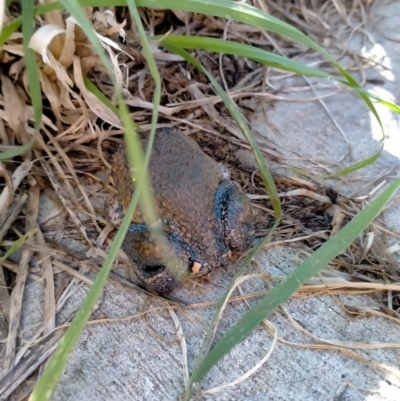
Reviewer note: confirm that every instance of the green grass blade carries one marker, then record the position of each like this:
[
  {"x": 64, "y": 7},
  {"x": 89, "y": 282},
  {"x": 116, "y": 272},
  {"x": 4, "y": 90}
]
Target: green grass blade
[
  {"x": 9, "y": 29},
  {"x": 240, "y": 49},
  {"x": 56, "y": 364},
  {"x": 139, "y": 163},
  {"x": 90, "y": 86},
  {"x": 264, "y": 57},
  {"x": 308, "y": 269},
  {"x": 255, "y": 17},
  {"x": 207, "y": 342},
  {"x": 359, "y": 165},
  {"x": 35, "y": 91},
  {"x": 47, "y": 382},
  {"x": 17, "y": 244},
  {"x": 12, "y": 27},
  {"x": 33, "y": 80},
  {"x": 270, "y": 188},
  {"x": 241, "y": 122},
  {"x": 20, "y": 150}
]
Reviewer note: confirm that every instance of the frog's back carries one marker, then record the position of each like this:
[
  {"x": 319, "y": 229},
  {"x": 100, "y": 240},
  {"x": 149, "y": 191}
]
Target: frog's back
[{"x": 183, "y": 178}]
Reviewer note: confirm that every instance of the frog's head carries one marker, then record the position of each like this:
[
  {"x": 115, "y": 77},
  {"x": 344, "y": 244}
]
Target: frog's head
[{"x": 236, "y": 214}]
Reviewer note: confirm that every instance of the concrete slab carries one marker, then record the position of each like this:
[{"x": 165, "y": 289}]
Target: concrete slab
[{"x": 140, "y": 359}]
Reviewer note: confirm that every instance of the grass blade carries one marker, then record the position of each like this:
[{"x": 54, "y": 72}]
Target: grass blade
[
  {"x": 20, "y": 150},
  {"x": 90, "y": 86},
  {"x": 264, "y": 57},
  {"x": 241, "y": 122},
  {"x": 57, "y": 362},
  {"x": 95, "y": 90},
  {"x": 47, "y": 382},
  {"x": 139, "y": 163},
  {"x": 240, "y": 49},
  {"x": 154, "y": 73},
  {"x": 281, "y": 293},
  {"x": 17, "y": 244},
  {"x": 270, "y": 188},
  {"x": 35, "y": 91}
]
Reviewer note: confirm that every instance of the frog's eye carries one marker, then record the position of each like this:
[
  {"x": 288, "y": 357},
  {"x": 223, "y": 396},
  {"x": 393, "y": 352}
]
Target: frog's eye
[{"x": 151, "y": 270}]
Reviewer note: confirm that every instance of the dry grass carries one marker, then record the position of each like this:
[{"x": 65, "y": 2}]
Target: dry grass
[{"x": 68, "y": 165}]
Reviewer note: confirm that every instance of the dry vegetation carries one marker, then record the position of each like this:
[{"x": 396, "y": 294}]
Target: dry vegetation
[{"x": 53, "y": 194}]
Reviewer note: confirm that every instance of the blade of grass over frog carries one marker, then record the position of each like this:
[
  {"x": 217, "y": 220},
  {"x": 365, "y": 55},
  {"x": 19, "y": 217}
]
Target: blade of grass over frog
[
  {"x": 148, "y": 204},
  {"x": 17, "y": 244},
  {"x": 55, "y": 366},
  {"x": 132, "y": 141},
  {"x": 133, "y": 144},
  {"x": 241, "y": 122},
  {"x": 140, "y": 176},
  {"x": 281, "y": 293}
]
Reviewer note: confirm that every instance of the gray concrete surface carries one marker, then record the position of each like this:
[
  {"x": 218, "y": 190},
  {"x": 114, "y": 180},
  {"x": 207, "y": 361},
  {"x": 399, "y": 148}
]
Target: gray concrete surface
[{"x": 141, "y": 359}]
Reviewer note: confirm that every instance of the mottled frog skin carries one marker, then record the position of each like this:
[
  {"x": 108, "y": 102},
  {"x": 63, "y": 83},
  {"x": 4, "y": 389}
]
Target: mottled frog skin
[{"x": 203, "y": 214}]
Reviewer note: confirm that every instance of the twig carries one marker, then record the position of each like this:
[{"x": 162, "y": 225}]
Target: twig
[
  {"x": 18, "y": 291},
  {"x": 28, "y": 364}
]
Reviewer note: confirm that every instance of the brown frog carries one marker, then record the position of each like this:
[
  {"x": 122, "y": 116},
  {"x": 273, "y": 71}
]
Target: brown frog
[{"x": 203, "y": 214}]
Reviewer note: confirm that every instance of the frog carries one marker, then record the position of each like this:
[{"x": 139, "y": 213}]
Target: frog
[{"x": 203, "y": 214}]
